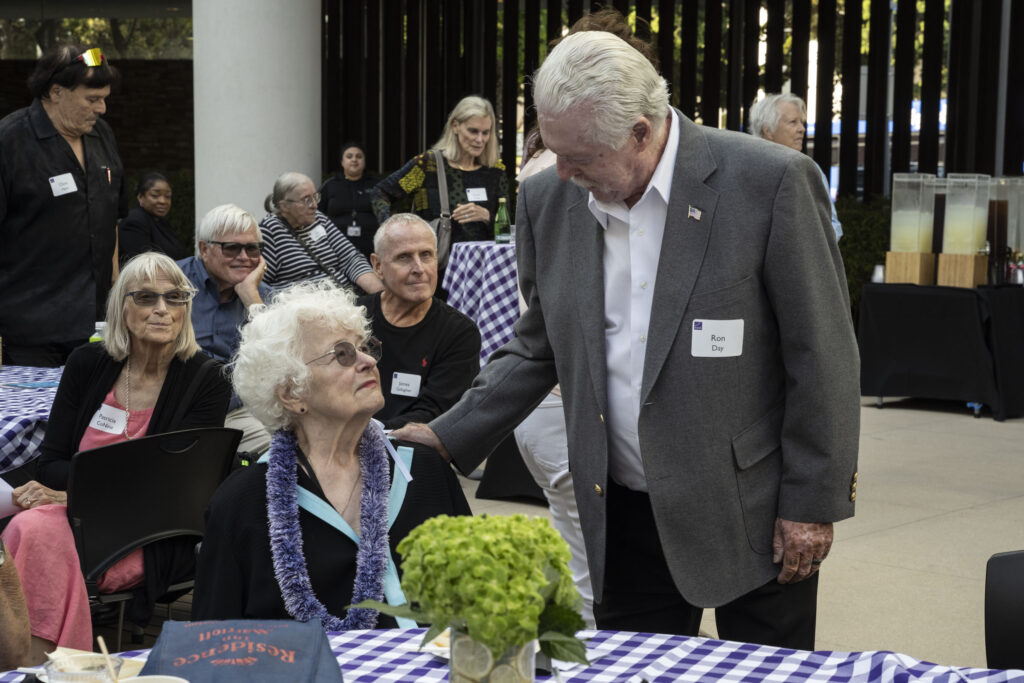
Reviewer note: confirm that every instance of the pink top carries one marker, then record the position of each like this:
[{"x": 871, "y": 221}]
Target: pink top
[{"x": 138, "y": 425}]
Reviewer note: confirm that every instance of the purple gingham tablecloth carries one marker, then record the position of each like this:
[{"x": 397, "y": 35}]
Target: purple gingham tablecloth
[
  {"x": 23, "y": 412},
  {"x": 481, "y": 282},
  {"x": 392, "y": 656}
]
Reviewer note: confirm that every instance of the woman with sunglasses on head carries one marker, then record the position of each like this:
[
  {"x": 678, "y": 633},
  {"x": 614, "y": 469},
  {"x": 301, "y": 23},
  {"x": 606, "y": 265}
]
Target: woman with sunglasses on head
[
  {"x": 307, "y": 531},
  {"x": 146, "y": 227},
  {"x": 303, "y": 244},
  {"x": 147, "y": 377}
]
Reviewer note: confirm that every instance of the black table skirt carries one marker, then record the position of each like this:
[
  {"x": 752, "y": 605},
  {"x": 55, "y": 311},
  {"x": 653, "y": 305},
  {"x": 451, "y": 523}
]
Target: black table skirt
[{"x": 944, "y": 343}]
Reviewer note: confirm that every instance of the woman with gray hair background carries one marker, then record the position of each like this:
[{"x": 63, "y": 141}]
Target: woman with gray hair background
[
  {"x": 302, "y": 244},
  {"x": 473, "y": 172},
  {"x": 782, "y": 118},
  {"x": 306, "y": 531},
  {"x": 148, "y": 376}
]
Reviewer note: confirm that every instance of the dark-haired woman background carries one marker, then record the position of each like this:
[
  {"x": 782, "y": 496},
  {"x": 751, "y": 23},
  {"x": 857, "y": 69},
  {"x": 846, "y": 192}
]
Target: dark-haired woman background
[{"x": 146, "y": 227}]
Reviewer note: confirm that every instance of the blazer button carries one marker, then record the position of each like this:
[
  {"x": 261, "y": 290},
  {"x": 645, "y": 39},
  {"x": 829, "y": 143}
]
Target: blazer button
[
  {"x": 853, "y": 496},
  {"x": 598, "y": 490}
]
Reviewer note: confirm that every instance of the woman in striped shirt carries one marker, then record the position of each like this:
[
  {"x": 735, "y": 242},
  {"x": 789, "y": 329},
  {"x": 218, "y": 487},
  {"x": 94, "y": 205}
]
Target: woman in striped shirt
[{"x": 303, "y": 244}]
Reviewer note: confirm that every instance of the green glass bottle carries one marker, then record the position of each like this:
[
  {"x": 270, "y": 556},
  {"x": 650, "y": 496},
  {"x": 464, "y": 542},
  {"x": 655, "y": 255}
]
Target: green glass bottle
[{"x": 502, "y": 233}]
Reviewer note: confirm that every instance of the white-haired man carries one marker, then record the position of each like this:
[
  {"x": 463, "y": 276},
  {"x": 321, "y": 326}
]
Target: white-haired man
[
  {"x": 782, "y": 118},
  {"x": 430, "y": 352},
  {"x": 228, "y": 274},
  {"x": 687, "y": 292}
]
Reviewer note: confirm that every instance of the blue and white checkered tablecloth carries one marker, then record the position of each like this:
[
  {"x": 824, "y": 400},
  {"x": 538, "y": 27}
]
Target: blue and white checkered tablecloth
[
  {"x": 24, "y": 412},
  {"x": 392, "y": 656},
  {"x": 481, "y": 282}
]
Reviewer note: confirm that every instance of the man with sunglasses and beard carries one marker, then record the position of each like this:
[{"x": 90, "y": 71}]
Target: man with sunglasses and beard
[{"x": 228, "y": 274}]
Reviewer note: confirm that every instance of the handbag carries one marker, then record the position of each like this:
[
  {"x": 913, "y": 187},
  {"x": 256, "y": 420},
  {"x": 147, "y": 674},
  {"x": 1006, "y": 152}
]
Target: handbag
[{"x": 442, "y": 226}]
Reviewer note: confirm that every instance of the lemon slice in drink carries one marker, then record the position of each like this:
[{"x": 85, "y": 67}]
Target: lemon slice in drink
[
  {"x": 525, "y": 660},
  {"x": 470, "y": 658},
  {"x": 504, "y": 673}
]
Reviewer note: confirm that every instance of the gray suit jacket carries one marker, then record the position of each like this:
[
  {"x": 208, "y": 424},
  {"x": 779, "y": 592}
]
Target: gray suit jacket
[{"x": 728, "y": 444}]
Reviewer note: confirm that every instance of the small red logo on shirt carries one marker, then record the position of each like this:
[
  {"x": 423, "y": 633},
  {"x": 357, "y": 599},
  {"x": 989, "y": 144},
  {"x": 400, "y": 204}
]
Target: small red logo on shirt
[{"x": 424, "y": 362}]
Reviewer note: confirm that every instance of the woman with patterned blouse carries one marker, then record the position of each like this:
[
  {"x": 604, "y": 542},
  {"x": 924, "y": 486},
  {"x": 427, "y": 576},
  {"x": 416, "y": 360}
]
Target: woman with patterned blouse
[
  {"x": 302, "y": 244},
  {"x": 475, "y": 176}
]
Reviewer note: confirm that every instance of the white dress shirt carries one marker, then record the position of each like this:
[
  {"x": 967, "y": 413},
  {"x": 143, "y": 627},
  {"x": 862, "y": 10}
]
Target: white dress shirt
[{"x": 632, "y": 248}]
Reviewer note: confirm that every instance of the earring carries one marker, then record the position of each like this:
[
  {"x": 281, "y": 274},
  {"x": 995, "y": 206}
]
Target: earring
[{"x": 302, "y": 409}]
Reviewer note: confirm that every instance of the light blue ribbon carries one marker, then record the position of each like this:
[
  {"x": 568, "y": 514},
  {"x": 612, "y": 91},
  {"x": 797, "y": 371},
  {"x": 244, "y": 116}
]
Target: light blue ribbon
[{"x": 320, "y": 508}]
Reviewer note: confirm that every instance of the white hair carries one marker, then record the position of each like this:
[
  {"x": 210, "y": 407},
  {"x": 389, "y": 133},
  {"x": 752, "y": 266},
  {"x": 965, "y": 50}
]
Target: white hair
[
  {"x": 270, "y": 355},
  {"x": 601, "y": 73},
  {"x": 764, "y": 115},
  {"x": 146, "y": 267},
  {"x": 285, "y": 183},
  {"x": 386, "y": 228},
  {"x": 225, "y": 220}
]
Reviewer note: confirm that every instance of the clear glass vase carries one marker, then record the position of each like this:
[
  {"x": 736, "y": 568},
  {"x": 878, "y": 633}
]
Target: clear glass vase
[{"x": 471, "y": 661}]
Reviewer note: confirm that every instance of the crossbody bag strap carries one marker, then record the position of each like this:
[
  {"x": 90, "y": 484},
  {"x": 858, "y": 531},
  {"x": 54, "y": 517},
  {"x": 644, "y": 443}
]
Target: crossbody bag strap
[
  {"x": 323, "y": 266},
  {"x": 442, "y": 184}
]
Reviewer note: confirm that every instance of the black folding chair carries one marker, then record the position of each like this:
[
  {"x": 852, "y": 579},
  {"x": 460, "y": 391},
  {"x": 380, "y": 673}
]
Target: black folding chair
[
  {"x": 1004, "y": 610},
  {"x": 126, "y": 495}
]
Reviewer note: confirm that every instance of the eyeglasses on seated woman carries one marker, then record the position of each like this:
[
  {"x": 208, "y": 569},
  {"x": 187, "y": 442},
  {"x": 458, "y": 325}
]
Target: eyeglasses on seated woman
[
  {"x": 147, "y": 376},
  {"x": 306, "y": 531}
]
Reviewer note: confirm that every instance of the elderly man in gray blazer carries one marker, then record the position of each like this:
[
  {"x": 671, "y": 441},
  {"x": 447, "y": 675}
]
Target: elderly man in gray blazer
[{"x": 686, "y": 290}]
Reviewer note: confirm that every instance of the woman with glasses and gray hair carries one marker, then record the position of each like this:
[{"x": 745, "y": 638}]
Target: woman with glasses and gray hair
[
  {"x": 312, "y": 527},
  {"x": 303, "y": 244},
  {"x": 148, "y": 376}
]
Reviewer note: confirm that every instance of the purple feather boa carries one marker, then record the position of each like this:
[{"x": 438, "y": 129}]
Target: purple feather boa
[{"x": 286, "y": 535}]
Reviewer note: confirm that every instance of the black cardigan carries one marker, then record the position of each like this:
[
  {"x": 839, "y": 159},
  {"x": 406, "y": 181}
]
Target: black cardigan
[
  {"x": 88, "y": 376},
  {"x": 235, "y": 572}
]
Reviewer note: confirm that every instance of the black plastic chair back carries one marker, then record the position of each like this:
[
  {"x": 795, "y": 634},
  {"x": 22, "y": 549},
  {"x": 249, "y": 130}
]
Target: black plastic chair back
[
  {"x": 1004, "y": 610},
  {"x": 123, "y": 496}
]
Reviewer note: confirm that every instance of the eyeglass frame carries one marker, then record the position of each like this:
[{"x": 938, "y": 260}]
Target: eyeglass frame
[
  {"x": 190, "y": 293},
  {"x": 305, "y": 201},
  {"x": 372, "y": 347},
  {"x": 242, "y": 246}
]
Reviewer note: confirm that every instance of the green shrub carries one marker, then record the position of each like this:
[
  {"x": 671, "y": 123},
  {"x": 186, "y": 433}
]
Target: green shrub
[{"x": 864, "y": 243}]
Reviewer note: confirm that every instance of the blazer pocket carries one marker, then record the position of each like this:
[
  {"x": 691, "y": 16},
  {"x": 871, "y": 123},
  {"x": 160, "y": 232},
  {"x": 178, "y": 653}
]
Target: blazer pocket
[
  {"x": 701, "y": 302},
  {"x": 757, "y": 451}
]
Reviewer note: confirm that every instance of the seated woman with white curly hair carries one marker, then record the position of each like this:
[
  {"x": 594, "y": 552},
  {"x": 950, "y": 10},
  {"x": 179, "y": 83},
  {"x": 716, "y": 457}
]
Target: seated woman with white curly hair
[{"x": 307, "y": 531}]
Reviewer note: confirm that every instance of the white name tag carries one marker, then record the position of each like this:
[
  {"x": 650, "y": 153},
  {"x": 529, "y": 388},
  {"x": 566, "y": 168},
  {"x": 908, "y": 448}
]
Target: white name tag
[
  {"x": 109, "y": 419},
  {"x": 405, "y": 384},
  {"x": 354, "y": 231},
  {"x": 63, "y": 184},
  {"x": 476, "y": 194},
  {"x": 317, "y": 233},
  {"x": 717, "y": 338}
]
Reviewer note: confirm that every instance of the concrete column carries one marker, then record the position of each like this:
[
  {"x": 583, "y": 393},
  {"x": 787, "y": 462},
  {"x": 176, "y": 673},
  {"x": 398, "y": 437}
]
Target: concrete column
[{"x": 256, "y": 73}]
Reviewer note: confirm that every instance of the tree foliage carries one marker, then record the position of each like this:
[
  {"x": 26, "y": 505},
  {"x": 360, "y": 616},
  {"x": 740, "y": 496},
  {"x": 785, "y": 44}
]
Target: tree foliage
[{"x": 152, "y": 38}]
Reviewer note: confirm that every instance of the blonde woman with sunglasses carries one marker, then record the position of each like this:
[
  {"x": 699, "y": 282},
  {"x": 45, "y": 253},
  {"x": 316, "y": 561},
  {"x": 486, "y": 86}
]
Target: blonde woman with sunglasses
[{"x": 135, "y": 383}]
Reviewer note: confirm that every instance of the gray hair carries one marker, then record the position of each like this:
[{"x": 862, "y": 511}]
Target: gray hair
[
  {"x": 270, "y": 355},
  {"x": 225, "y": 220},
  {"x": 764, "y": 115},
  {"x": 603, "y": 73},
  {"x": 285, "y": 183},
  {"x": 385, "y": 229},
  {"x": 468, "y": 108},
  {"x": 146, "y": 267}
]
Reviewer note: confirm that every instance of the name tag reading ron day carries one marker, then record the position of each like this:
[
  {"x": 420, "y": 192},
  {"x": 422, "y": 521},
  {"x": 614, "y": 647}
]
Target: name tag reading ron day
[
  {"x": 109, "y": 419},
  {"x": 717, "y": 338}
]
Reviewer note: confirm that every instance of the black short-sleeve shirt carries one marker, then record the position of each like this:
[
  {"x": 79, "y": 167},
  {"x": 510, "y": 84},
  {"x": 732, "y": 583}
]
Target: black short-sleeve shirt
[{"x": 57, "y": 228}]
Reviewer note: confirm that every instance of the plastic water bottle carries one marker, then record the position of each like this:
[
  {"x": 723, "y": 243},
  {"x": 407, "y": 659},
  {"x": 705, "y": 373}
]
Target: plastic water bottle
[{"x": 97, "y": 335}]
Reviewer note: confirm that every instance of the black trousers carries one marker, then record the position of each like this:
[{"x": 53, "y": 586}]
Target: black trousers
[
  {"x": 639, "y": 594},
  {"x": 40, "y": 355}
]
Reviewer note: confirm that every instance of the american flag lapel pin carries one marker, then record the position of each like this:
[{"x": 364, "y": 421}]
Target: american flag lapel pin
[{"x": 693, "y": 213}]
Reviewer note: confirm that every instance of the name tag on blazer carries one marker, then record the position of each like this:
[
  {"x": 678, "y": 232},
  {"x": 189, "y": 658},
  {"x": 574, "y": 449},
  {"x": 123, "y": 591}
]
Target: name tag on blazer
[{"x": 717, "y": 338}]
